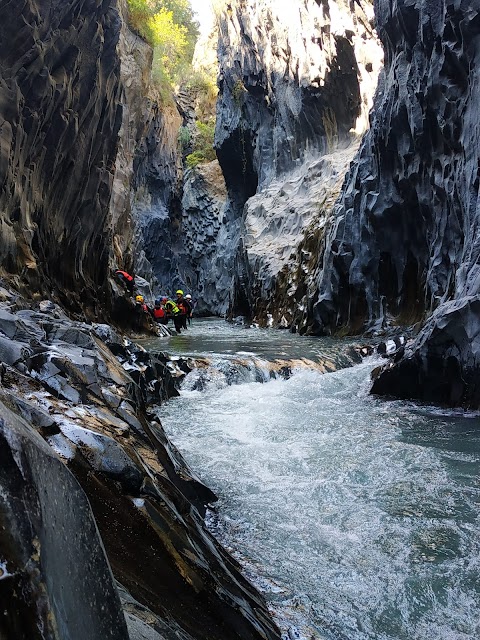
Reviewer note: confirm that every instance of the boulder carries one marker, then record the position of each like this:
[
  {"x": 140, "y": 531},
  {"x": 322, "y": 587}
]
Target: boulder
[{"x": 54, "y": 572}]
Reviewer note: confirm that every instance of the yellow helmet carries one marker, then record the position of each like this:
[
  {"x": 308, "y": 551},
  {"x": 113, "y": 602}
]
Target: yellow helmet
[
  {"x": 139, "y": 298},
  {"x": 179, "y": 292}
]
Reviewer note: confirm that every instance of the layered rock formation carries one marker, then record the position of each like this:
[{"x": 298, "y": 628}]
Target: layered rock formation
[
  {"x": 296, "y": 83},
  {"x": 60, "y": 119},
  {"x": 95, "y": 406},
  {"x": 50, "y": 587},
  {"x": 403, "y": 239}
]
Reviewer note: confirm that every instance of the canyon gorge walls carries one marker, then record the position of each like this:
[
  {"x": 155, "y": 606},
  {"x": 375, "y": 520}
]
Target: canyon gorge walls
[
  {"x": 402, "y": 245},
  {"x": 394, "y": 240},
  {"x": 296, "y": 83}
]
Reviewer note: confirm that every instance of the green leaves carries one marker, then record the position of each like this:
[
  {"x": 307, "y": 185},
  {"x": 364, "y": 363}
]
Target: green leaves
[
  {"x": 170, "y": 28},
  {"x": 203, "y": 145}
]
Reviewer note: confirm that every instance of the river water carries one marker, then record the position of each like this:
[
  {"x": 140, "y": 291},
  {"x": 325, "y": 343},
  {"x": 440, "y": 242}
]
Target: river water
[{"x": 357, "y": 517}]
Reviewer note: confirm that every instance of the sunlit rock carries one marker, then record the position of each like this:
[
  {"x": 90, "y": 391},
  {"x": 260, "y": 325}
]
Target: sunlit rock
[{"x": 296, "y": 83}]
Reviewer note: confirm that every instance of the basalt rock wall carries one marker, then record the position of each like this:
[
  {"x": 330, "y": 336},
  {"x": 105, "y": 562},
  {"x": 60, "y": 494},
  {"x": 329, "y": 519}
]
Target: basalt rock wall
[
  {"x": 60, "y": 114},
  {"x": 80, "y": 128},
  {"x": 296, "y": 82},
  {"x": 206, "y": 233},
  {"x": 50, "y": 587},
  {"x": 156, "y": 197},
  {"x": 403, "y": 242}
]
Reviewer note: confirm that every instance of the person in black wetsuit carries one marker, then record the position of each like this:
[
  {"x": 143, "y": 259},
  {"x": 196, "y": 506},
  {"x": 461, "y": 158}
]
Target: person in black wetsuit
[
  {"x": 158, "y": 312},
  {"x": 189, "y": 301},
  {"x": 184, "y": 307},
  {"x": 126, "y": 279}
]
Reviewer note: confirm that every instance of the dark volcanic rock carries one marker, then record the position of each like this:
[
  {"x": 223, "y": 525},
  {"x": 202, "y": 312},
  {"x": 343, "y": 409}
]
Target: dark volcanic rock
[
  {"x": 55, "y": 581},
  {"x": 157, "y": 195},
  {"x": 96, "y": 410},
  {"x": 442, "y": 365},
  {"x": 403, "y": 234},
  {"x": 80, "y": 128},
  {"x": 60, "y": 114},
  {"x": 207, "y": 239},
  {"x": 403, "y": 241},
  {"x": 296, "y": 82}
]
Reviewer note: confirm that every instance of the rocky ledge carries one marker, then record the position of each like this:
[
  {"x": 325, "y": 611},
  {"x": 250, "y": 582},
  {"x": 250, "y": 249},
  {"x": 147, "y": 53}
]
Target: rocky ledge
[
  {"x": 441, "y": 365},
  {"x": 102, "y": 531}
]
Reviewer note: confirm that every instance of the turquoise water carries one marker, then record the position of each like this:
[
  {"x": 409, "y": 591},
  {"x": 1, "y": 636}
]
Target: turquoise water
[{"x": 357, "y": 517}]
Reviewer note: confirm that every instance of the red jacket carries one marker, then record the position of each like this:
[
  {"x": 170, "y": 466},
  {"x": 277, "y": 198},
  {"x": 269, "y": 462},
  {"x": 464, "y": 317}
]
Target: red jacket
[
  {"x": 126, "y": 275},
  {"x": 158, "y": 313}
]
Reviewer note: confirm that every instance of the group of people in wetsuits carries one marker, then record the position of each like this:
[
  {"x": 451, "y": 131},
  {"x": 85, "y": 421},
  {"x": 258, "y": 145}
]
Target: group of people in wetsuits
[
  {"x": 164, "y": 309},
  {"x": 180, "y": 310}
]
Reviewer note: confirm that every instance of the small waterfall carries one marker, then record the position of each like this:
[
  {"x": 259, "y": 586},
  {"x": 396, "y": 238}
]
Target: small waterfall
[{"x": 221, "y": 372}]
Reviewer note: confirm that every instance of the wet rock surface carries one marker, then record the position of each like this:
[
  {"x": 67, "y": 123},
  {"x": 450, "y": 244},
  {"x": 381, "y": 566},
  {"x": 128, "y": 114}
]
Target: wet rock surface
[
  {"x": 441, "y": 365},
  {"x": 402, "y": 242},
  {"x": 205, "y": 373},
  {"x": 81, "y": 400},
  {"x": 53, "y": 571}
]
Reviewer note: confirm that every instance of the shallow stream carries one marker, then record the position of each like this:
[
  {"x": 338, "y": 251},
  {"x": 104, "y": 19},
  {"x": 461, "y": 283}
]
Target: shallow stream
[{"x": 357, "y": 517}]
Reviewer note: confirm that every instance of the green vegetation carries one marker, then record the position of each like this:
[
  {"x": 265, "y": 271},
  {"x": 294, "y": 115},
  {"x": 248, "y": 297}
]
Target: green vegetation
[
  {"x": 203, "y": 150},
  {"x": 170, "y": 28},
  {"x": 204, "y": 89},
  {"x": 238, "y": 91},
  {"x": 184, "y": 138}
]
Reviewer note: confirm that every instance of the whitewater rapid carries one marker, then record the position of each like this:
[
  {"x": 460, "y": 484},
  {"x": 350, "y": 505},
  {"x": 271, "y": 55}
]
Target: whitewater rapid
[{"x": 357, "y": 517}]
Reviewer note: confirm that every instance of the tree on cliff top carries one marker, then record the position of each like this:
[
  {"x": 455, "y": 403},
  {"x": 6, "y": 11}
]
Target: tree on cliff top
[{"x": 169, "y": 26}]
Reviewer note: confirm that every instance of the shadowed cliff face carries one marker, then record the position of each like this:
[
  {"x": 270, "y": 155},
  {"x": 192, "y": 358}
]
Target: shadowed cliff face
[
  {"x": 60, "y": 114},
  {"x": 403, "y": 238},
  {"x": 296, "y": 82},
  {"x": 157, "y": 196},
  {"x": 80, "y": 132}
]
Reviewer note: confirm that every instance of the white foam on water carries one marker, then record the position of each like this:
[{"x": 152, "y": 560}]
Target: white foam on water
[{"x": 362, "y": 512}]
